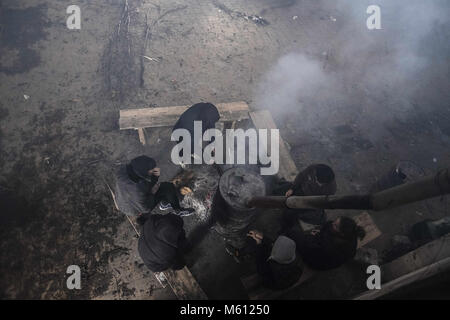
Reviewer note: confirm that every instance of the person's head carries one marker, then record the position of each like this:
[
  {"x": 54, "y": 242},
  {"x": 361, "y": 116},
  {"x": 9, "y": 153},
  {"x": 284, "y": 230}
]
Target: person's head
[
  {"x": 348, "y": 229},
  {"x": 283, "y": 250},
  {"x": 142, "y": 166},
  {"x": 324, "y": 174}
]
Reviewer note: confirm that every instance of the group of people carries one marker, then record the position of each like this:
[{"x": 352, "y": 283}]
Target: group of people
[{"x": 280, "y": 263}]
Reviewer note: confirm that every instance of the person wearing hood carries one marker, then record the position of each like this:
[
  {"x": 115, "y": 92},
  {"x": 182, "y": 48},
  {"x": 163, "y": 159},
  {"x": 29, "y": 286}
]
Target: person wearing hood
[
  {"x": 163, "y": 242},
  {"x": 137, "y": 190},
  {"x": 277, "y": 262},
  {"x": 207, "y": 113},
  {"x": 315, "y": 180},
  {"x": 329, "y": 247}
]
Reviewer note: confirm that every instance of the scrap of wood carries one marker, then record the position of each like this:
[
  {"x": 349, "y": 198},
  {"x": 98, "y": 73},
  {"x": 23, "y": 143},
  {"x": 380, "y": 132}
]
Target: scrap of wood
[
  {"x": 421, "y": 274},
  {"x": 141, "y": 136},
  {"x": 263, "y": 120},
  {"x": 184, "y": 285},
  {"x": 372, "y": 232},
  {"x": 168, "y": 116}
]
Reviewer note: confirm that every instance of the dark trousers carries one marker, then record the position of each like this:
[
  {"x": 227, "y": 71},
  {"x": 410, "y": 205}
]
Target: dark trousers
[{"x": 167, "y": 193}]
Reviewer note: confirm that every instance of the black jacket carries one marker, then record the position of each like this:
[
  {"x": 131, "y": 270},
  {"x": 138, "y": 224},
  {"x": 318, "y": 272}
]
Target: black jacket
[
  {"x": 274, "y": 275},
  {"x": 207, "y": 113},
  {"x": 325, "y": 250},
  {"x": 133, "y": 194},
  {"x": 162, "y": 242},
  {"x": 304, "y": 184}
]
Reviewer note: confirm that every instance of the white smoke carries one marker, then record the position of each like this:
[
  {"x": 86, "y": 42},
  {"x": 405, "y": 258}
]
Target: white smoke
[{"x": 375, "y": 76}]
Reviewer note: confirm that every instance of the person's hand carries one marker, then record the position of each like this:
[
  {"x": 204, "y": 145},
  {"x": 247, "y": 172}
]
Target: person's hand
[
  {"x": 289, "y": 193},
  {"x": 155, "y": 171},
  {"x": 155, "y": 188},
  {"x": 256, "y": 235},
  {"x": 315, "y": 231}
]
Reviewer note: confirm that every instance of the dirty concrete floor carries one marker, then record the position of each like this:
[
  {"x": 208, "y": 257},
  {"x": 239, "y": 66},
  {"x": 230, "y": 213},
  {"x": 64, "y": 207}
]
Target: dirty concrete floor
[{"x": 61, "y": 92}]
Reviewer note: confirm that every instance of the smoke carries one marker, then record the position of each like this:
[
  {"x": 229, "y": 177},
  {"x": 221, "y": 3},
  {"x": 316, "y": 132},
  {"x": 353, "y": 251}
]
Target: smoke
[{"x": 373, "y": 76}]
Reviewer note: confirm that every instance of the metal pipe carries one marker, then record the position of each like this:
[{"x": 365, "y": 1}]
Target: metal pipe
[{"x": 429, "y": 187}]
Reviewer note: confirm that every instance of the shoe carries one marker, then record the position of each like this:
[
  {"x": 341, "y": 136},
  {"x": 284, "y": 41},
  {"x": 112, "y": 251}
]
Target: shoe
[
  {"x": 164, "y": 206},
  {"x": 184, "y": 212}
]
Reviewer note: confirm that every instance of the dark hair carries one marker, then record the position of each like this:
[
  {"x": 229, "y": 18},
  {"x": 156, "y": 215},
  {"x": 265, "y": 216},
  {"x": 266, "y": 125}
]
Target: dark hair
[
  {"x": 350, "y": 230},
  {"x": 324, "y": 173}
]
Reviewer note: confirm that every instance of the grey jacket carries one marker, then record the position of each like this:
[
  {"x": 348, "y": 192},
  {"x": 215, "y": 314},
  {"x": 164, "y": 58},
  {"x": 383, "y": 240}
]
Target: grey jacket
[{"x": 133, "y": 195}]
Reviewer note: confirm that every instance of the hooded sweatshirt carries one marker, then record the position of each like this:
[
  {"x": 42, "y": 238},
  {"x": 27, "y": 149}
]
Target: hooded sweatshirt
[
  {"x": 207, "y": 113},
  {"x": 133, "y": 186},
  {"x": 161, "y": 242}
]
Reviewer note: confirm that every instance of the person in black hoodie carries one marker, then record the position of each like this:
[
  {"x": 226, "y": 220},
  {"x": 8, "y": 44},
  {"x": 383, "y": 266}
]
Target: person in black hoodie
[
  {"x": 331, "y": 246},
  {"x": 207, "y": 113},
  {"x": 276, "y": 262},
  {"x": 163, "y": 242},
  {"x": 315, "y": 180},
  {"x": 137, "y": 190}
]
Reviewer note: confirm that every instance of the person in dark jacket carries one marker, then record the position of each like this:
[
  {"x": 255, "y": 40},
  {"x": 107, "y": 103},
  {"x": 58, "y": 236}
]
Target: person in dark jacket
[
  {"x": 329, "y": 247},
  {"x": 163, "y": 242},
  {"x": 315, "y": 180},
  {"x": 137, "y": 190},
  {"x": 207, "y": 113},
  {"x": 276, "y": 263}
]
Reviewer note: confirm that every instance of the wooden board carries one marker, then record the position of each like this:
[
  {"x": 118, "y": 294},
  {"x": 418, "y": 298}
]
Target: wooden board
[
  {"x": 263, "y": 120},
  {"x": 409, "y": 278},
  {"x": 168, "y": 116},
  {"x": 425, "y": 255},
  {"x": 184, "y": 285},
  {"x": 372, "y": 232}
]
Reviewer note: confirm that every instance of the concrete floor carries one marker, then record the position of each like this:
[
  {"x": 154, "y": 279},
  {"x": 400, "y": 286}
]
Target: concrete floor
[{"x": 358, "y": 100}]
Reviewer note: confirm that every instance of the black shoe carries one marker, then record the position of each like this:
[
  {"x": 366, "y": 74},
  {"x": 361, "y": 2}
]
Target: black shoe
[{"x": 184, "y": 212}]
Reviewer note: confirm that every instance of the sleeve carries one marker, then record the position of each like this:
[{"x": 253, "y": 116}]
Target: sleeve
[
  {"x": 153, "y": 181},
  {"x": 296, "y": 185}
]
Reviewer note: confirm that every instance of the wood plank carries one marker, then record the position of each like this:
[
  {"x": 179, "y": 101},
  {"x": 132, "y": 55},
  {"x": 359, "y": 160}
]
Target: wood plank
[
  {"x": 421, "y": 274},
  {"x": 425, "y": 255},
  {"x": 263, "y": 120},
  {"x": 372, "y": 232},
  {"x": 184, "y": 285},
  {"x": 168, "y": 116},
  {"x": 141, "y": 135}
]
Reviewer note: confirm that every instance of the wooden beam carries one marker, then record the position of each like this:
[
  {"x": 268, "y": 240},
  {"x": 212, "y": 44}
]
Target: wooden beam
[
  {"x": 425, "y": 255},
  {"x": 372, "y": 232},
  {"x": 263, "y": 120},
  {"x": 184, "y": 285},
  {"x": 168, "y": 116},
  {"x": 421, "y": 274},
  {"x": 141, "y": 135}
]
